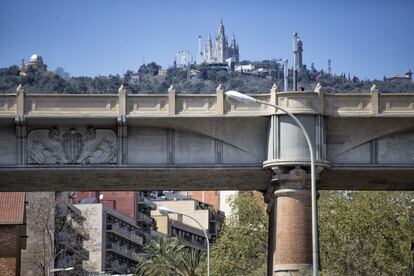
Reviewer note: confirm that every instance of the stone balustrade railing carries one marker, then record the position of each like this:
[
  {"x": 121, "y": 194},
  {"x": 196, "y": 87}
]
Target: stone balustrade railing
[{"x": 193, "y": 105}]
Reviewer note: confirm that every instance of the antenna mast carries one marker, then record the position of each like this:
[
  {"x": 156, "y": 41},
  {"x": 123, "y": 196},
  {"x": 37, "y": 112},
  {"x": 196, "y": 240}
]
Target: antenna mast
[{"x": 295, "y": 61}]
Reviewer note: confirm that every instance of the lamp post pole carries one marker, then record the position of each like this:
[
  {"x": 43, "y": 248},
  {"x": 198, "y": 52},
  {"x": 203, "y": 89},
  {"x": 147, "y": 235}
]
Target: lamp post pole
[
  {"x": 166, "y": 211},
  {"x": 239, "y": 97}
]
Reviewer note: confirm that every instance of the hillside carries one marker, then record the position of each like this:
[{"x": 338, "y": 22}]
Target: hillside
[{"x": 150, "y": 78}]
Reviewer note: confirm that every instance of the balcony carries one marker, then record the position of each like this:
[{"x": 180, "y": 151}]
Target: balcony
[
  {"x": 123, "y": 251},
  {"x": 129, "y": 235},
  {"x": 141, "y": 217},
  {"x": 142, "y": 200},
  {"x": 196, "y": 245},
  {"x": 116, "y": 267},
  {"x": 216, "y": 216}
]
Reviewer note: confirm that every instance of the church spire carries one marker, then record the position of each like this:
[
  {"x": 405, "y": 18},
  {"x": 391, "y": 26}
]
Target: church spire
[
  {"x": 233, "y": 41},
  {"x": 221, "y": 29}
]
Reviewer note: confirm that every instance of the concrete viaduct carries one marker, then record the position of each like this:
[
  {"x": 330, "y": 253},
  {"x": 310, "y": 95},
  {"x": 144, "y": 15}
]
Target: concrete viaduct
[{"x": 75, "y": 142}]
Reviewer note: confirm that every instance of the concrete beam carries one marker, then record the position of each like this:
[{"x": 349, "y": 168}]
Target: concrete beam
[
  {"x": 132, "y": 178},
  {"x": 387, "y": 178}
]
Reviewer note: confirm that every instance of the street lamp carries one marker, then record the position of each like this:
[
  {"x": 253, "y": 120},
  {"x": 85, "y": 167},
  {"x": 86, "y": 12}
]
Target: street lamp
[
  {"x": 235, "y": 97},
  {"x": 166, "y": 211},
  {"x": 53, "y": 270}
]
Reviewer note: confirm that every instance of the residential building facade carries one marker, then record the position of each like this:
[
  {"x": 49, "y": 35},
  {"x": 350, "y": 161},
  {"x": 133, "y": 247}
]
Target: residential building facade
[
  {"x": 116, "y": 242},
  {"x": 219, "y": 200},
  {"x": 185, "y": 229},
  {"x": 135, "y": 205}
]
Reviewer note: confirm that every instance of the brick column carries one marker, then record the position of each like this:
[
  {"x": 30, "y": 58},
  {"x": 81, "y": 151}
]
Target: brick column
[{"x": 290, "y": 224}]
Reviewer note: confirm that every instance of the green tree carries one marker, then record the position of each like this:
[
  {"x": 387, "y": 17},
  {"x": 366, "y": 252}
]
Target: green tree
[
  {"x": 365, "y": 233},
  {"x": 159, "y": 258},
  {"x": 189, "y": 262},
  {"x": 166, "y": 256},
  {"x": 241, "y": 248}
]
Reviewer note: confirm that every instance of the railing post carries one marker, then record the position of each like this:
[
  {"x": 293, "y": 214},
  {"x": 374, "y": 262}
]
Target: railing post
[
  {"x": 273, "y": 96},
  {"x": 318, "y": 89},
  {"x": 171, "y": 100},
  {"x": 20, "y": 100},
  {"x": 220, "y": 99},
  {"x": 374, "y": 99},
  {"x": 122, "y": 100}
]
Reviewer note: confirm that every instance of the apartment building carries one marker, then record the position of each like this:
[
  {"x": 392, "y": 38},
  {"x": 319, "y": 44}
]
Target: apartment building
[
  {"x": 136, "y": 205},
  {"x": 70, "y": 236},
  {"x": 115, "y": 241},
  {"x": 185, "y": 229}
]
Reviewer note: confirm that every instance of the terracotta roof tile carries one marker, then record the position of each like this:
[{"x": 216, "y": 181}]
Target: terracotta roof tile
[{"x": 12, "y": 208}]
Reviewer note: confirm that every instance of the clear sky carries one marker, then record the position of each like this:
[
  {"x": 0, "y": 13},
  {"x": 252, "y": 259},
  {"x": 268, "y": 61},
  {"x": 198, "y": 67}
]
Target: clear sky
[{"x": 369, "y": 38}]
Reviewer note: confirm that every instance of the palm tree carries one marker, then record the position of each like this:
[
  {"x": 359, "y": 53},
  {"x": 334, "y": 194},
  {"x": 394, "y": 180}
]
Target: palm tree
[
  {"x": 166, "y": 256},
  {"x": 189, "y": 262},
  {"x": 160, "y": 257}
]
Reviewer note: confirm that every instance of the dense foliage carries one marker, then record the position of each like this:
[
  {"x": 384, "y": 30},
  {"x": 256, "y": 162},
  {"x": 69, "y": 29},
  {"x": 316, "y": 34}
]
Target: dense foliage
[
  {"x": 361, "y": 233},
  {"x": 366, "y": 233},
  {"x": 241, "y": 248},
  {"x": 150, "y": 78}
]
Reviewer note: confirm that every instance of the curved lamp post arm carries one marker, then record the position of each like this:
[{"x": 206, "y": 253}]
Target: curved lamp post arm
[{"x": 315, "y": 249}]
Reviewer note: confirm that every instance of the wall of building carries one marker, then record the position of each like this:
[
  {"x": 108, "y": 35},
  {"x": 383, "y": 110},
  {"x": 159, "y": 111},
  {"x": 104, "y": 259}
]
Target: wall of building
[
  {"x": 123, "y": 202},
  {"x": 94, "y": 225},
  {"x": 224, "y": 204},
  {"x": 40, "y": 212},
  {"x": 162, "y": 224},
  {"x": 210, "y": 197},
  {"x": 188, "y": 207},
  {"x": 9, "y": 250}
]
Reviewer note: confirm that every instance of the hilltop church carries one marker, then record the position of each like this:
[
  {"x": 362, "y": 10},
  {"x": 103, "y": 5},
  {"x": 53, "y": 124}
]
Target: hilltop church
[{"x": 220, "y": 52}]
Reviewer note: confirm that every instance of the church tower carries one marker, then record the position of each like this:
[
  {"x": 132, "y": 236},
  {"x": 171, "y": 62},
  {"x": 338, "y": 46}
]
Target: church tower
[
  {"x": 208, "y": 51},
  {"x": 221, "y": 51},
  {"x": 234, "y": 49},
  {"x": 221, "y": 44}
]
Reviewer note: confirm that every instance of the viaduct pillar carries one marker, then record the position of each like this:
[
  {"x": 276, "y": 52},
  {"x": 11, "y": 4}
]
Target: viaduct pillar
[
  {"x": 288, "y": 196},
  {"x": 290, "y": 233}
]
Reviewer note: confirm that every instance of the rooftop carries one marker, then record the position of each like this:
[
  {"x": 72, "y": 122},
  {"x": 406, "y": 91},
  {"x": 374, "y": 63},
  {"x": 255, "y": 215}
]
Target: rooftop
[{"x": 12, "y": 206}]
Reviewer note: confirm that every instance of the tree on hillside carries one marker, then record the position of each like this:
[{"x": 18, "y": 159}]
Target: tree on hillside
[
  {"x": 365, "y": 233},
  {"x": 62, "y": 73}
]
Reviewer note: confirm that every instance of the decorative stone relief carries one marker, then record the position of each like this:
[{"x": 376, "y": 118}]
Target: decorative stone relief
[{"x": 72, "y": 146}]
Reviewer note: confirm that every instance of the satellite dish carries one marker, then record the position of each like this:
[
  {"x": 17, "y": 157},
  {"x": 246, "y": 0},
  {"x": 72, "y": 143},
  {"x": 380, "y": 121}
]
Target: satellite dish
[{"x": 101, "y": 196}]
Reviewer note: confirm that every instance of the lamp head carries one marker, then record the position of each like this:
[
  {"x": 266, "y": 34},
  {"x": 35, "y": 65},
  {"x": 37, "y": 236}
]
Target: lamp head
[
  {"x": 165, "y": 211},
  {"x": 237, "y": 97}
]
